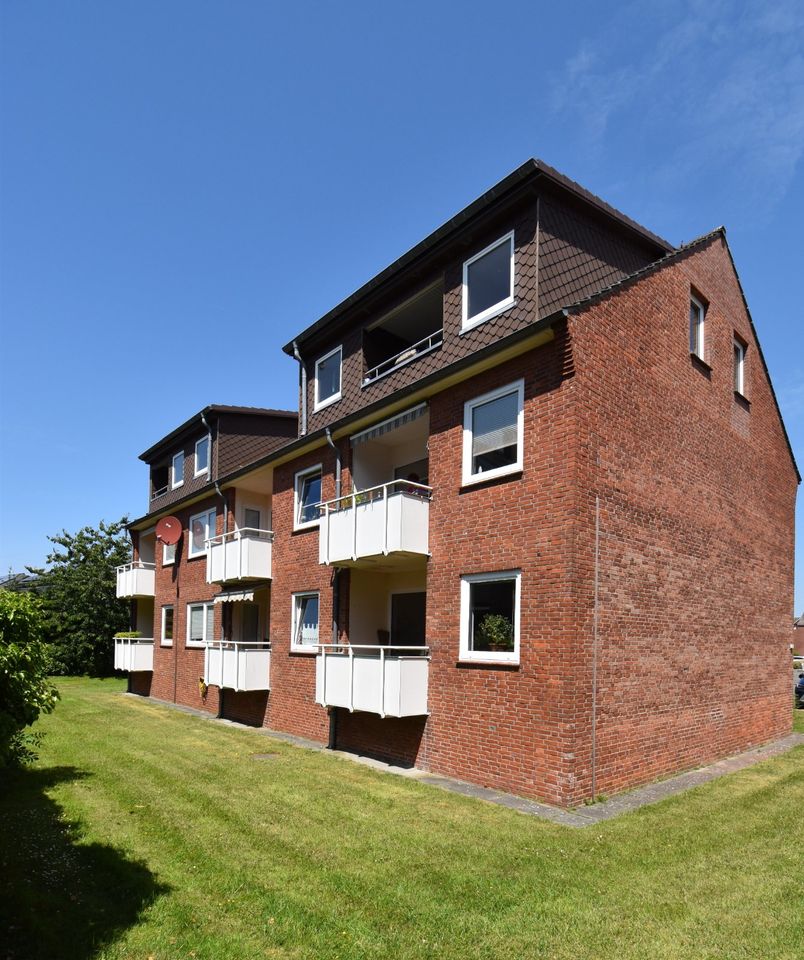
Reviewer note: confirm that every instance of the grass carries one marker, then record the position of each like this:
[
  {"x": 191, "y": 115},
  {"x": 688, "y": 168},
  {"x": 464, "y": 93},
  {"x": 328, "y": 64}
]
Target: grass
[{"x": 147, "y": 833}]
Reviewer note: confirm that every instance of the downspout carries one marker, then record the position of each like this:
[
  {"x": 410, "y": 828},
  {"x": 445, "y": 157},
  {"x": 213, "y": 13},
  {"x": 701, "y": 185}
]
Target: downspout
[
  {"x": 303, "y": 375},
  {"x": 594, "y": 647}
]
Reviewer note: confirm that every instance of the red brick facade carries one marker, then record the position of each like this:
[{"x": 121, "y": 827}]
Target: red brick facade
[{"x": 652, "y": 525}]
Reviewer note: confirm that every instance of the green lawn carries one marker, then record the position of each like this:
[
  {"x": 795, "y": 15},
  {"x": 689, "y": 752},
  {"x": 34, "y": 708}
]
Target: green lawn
[{"x": 143, "y": 832}]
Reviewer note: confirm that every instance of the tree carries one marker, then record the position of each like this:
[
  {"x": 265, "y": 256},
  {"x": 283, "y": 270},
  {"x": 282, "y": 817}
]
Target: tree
[
  {"x": 82, "y": 613},
  {"x": 25, "y": 690}
]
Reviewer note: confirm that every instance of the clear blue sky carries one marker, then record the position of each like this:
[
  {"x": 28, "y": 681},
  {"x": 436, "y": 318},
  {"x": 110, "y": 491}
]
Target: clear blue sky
[{"x": 187, "y": 184}]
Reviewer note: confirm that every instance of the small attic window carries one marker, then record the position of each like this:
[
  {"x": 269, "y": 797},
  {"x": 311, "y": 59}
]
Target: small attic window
[
  {"x": 488, "y": 282},
  {"x": 697, "y": 327}
]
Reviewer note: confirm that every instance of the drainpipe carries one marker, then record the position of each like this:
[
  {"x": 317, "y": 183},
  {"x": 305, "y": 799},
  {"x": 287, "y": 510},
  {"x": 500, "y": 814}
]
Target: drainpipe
[
  {"x": 336, "y": 594},
  {"x": 334, "y": 446},
  {"x": 303, "y": 369}
]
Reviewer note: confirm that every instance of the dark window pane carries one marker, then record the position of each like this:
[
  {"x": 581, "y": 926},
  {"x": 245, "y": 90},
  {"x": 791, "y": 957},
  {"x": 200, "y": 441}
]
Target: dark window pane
[
  {"x": 488, "y": 279},
  {"x": 202, "y": 455},
  {"x": 494, "y": 433},
  {"x": 309, "y": 496},
  {"x": 329, "y": 377},
  {"x": 491, "y": 615},
  {"x": 168, "y": 628}
]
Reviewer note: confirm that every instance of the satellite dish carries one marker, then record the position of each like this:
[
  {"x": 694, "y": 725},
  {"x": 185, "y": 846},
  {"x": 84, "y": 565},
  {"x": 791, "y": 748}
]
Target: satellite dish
[{"x": 168, "y": 530}]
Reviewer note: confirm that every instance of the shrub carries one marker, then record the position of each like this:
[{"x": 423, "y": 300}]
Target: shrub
[{"x": 25, "y": 690}]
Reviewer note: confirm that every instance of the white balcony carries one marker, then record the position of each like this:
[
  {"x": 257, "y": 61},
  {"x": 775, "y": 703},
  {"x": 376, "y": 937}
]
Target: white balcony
[
  {"x": 238, "y": 665},
  {"x": 133, "y": 654},
  {"x": 392, "y": 518},
  {"x": 390, "y": 681},
  {"x": 135, "y": 580},
  {"x": 243, "y": 554}
]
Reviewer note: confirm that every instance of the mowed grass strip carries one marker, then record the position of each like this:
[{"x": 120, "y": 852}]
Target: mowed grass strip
[{"x": 144, "y": 832}]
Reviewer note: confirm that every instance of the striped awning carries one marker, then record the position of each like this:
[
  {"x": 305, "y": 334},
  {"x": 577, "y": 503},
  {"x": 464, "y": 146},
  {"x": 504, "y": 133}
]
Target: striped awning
[
  {"x": 392, "y": 423},
  {"x": 231, "y": 596}
]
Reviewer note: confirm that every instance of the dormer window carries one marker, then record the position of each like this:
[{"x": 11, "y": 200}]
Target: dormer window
[
  {"x": 488, "y": 282},
  {"x": 177, "y": 470},
  {"x": 328, "y": 378},
  {"x": 202, "y": 456}
]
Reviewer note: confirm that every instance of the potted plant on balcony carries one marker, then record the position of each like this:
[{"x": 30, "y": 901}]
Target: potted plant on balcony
[
  {"x": 496, "y": 633},
  {"x": 127, "y": 635}
]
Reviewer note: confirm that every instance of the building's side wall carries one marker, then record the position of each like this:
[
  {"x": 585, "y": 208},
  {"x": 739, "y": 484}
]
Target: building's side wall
[
  {"x": 697, "y": 496},
  {"x": 177, "y": 669}
]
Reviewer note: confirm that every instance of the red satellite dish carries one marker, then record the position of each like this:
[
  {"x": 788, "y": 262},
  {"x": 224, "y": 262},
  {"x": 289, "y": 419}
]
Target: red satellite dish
[{"x": 168, "y": 530}]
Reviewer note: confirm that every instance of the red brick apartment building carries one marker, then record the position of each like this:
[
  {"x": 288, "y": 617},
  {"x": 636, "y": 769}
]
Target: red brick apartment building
[{"x": 538, "y": 475}]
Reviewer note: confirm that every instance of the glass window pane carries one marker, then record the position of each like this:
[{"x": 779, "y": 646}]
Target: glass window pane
[
  {"x": 167, "y": 627},
  {"x": 309, "y": 496},
  {"x": 251, "y": 518},
  {"x": 488, "y": 280},
  {"x": 307, "y": 623},
  {"x": 198, "y": 531},
  {"x": 210, "y": 634},
  {"x": 202, "y": 455},
  {"x": 329, "y": 376},
  {"x": 491, "y": 615},
  {"x": 178, "y": 468},
  {"x": 494, "y": 433},
  {"x": 197, "y": 623}
]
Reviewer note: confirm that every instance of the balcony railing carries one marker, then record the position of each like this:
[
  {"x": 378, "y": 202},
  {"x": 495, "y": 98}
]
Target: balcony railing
[
  {"x": 413, "y": 352},
  {"x": 390, "y": 518},
  {"x": 390, "y": 681},
  {"x": 159, "y": 493},
  {"x": 243, "y": 554},
  {"x": 133, "y": 654},
  {"x": 135, "y": 580},
  {"x": 238, "y": 665}
]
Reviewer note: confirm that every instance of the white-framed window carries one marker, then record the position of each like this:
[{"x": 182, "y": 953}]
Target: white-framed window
[
  {"x": 166, "y": 637},
  {"x": 200, "y": 624},
  {"x": 488, "y": 282},
  {"x": 493, "y": 433},
  {"x": 490, "y": 604},
  {"x": 177, "y": 470},
  {"x": 202, "y": 527},
  {"x": 168, "y": 554},
  {"x": 202, "y": 456},
  {"x": 305, "y": 616},
  {"x": 697, "y": 327},
  {"x": 306, "y": 496},
  {"x": 251, "y": 518},
  {"x": 328, "y": 378},
  {"x": 739, "y": 366}
]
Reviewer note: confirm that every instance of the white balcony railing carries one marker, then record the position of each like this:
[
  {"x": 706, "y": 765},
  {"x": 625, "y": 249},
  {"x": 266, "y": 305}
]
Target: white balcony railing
[
  {"x": 243, "y": 554},
  {"x": 238, "y": 665},
  {"x": 413, "y": 352},
  {"x": 133, "y": 654},
  {"x": 390, "y": 518},
  {"x": 135, "y": 580},
  {"x": 390, "y": 681}
]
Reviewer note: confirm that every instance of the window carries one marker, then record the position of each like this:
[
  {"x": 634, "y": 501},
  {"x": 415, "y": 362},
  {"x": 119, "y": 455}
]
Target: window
[
  {"x": 328, "y": 378},
  {"x": 202, "y": 456},
  {"x": 177, "y": 470},
  {"x": 739, "y": 366},
  {"x": 697, "y": 324},
  {"x": 490, "y": 616},
  {"x": 202, "y": 527},
  {"x": 249, "y": 622},
  {"x": 168, "y": 554},
  {"x": 167, "y": 627},
  {"x": 488, "y": 282},
  {"x": 307, "y": 496},
  {"x": 200, "y": 624},
  {"x": 493, "y": 434},
  {"x": 305, "y": 622},
  {"x": 251, "y": 518}
]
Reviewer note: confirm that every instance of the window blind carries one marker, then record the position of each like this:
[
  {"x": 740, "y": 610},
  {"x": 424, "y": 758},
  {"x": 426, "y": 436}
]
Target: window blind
[{"x": 494, "y": 425}]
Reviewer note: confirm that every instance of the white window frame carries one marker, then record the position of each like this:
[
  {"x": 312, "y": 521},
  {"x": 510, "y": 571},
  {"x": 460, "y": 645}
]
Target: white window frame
[
  {"x": 211, "y": 528},
  {"x": 739, "y": 366},
  {"x": 199, "y": 643},
  {"x": 173, "y": 483},
  {"x": 196, "y": 471},
  {"x": 698, "y": 329},
  {"x": 162, "y": 641},
  {"x": 320, "y": 404},
  {"x": 297, "y": 482},
  {"x": 484, "y": 655},
  {"x": 468, "y": 477},
  {"x": 469, "y": 323},
  {"x": 165, "y": 561},
  {"x": 294, "y": 612}
]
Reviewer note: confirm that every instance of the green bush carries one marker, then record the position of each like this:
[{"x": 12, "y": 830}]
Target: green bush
[
  {"x": 495, "y": 632},
  {"x": 25, "y": 690}
]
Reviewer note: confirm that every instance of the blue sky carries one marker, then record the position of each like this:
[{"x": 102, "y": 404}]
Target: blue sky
[{"x": 184, "y": 185}]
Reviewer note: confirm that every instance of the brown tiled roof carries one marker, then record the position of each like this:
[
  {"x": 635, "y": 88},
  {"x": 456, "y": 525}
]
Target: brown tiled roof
[
  {"x": 212, "y": 408},
  {"x": 531, "y": 170}
]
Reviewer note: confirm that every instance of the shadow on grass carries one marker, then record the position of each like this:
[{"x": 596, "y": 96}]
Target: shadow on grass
[{"x": 60, "y": 898}]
